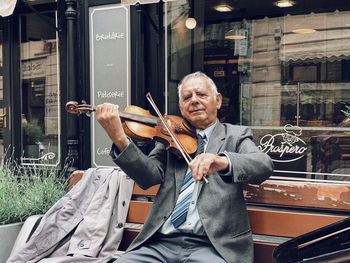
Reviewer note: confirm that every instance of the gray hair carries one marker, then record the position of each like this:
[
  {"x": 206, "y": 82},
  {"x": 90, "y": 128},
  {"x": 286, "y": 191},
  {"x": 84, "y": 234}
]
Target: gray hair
[{"x": 197, "y": 74}]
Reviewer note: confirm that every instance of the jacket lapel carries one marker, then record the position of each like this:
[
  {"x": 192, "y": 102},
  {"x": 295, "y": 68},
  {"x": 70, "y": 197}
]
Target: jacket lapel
[
  {"x": 216, "y": 139},
  {"x": 215, "y": 143}
]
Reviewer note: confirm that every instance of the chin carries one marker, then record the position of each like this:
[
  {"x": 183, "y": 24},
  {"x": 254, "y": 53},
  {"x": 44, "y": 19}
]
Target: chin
[{"x": 198, "y": 123}]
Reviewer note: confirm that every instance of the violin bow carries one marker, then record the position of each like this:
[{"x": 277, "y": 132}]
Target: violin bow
[{"x": 184, "y": 153}]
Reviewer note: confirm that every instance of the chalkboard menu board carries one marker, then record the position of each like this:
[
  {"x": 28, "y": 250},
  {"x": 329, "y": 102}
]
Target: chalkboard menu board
[{"x": 109, "y": 70}]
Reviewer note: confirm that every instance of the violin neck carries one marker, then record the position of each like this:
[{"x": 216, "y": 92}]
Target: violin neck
[{"x": 152, "y": 121}]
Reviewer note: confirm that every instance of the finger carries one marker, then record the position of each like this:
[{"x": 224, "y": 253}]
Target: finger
[
  {"x": 116, "y": 108},
  {"x": 193, "y": 165},
  {"x": 98, "y": 109},
  {"x": 109, "y": 108},
  {"x": 198, "y": 167},
  {"x": 206, "y": 162}
]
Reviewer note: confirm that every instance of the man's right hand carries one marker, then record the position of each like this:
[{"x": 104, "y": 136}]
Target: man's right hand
[{"x": 107, "y": 115}]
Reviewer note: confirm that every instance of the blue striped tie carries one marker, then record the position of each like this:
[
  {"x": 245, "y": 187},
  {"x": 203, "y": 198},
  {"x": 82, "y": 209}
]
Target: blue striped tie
[{"x": 183, "y": 202}]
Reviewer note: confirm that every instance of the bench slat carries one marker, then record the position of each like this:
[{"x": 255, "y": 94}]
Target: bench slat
[
  {"x": 287, "y": 224},
  {"x": 152, "y": 191},
  {"x": 138, "y": 211},
  {"x": 263, "y": 222}
]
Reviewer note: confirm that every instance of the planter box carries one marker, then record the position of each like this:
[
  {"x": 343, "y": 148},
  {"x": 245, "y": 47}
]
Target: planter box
[{"x": 8, "y": 235}]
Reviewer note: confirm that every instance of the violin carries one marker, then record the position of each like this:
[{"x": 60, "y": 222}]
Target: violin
[
  {"x": 140, "y": 125},
  {"x": 175, "y": 133}
]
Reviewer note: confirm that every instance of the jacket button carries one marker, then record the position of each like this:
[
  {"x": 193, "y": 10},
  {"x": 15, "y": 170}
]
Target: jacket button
[
  {"x": 120, "y": 225},
  {"x": 123, "y": 204}
]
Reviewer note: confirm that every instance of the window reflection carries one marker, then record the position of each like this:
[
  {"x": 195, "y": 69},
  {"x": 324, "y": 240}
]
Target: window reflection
[
  {"x": 1, "y": 56},
  {"x": 2, "y": 119},
  {"x": 40, "y": 90},
  {"x": 2, "y": 108},
  {"x": 285, "y": 75}
]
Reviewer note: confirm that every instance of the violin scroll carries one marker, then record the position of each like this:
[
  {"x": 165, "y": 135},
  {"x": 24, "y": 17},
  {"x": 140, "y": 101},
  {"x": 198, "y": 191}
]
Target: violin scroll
[
  {"x": 71, "y": 107},
  {"x": 75, "y": 108}
]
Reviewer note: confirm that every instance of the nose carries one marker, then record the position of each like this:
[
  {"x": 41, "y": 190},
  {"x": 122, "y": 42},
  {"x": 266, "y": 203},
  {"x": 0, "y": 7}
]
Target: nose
[{"x": 194, "y": 98}]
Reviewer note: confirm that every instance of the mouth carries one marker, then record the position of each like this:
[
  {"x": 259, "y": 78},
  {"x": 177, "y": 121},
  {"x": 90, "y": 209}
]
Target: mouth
[{"x": 196, "y": 111}]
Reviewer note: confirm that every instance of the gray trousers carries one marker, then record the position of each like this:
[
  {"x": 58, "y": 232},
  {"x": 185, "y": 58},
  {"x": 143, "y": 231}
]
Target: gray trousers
[{"x": 174, "y": 248}]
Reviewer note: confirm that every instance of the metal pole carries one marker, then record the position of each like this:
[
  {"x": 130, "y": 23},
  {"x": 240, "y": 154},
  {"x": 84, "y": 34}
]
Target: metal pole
[
  {"x": 72, "y": 138},
  {"x": 298, "y": 104}
]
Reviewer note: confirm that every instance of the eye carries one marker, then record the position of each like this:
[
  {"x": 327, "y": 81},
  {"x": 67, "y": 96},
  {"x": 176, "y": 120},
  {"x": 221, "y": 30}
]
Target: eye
[{"x": 186, "y": 97}]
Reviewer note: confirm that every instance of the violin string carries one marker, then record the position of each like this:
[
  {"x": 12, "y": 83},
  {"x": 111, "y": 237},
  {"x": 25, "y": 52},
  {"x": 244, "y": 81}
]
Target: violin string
[{"x": 178, "y": 144}]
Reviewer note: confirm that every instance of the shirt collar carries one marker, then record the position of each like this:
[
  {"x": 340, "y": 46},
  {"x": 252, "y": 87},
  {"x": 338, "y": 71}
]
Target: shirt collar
[{"x": 207, "y": 131}]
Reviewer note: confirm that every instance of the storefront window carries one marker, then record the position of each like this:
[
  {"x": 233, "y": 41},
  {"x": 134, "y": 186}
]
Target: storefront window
[
  {"x": 2, "y": 120},
  {"x": 40, "y": 90},
  {"x": 2, "y": 108},
  {"x": 35, "y": 2},
  {"x": 1, "y": 41},
  {"x": 282, "y": 71}
]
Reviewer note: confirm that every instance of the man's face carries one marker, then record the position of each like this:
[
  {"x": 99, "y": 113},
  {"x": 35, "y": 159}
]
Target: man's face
[{"x": 198, "y": 105}]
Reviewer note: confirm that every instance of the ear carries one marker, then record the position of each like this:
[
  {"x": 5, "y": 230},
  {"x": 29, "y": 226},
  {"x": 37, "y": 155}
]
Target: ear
[{"x": 218, "y": 101}]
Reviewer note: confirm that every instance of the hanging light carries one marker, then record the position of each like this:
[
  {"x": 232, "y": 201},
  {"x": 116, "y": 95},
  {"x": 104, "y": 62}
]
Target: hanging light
[
  {"x": 190, "y": 23},
  {"x": 284, "y": 3},
  {"x": 234, "y": 34},
  {"x": 223, "y": 8}
]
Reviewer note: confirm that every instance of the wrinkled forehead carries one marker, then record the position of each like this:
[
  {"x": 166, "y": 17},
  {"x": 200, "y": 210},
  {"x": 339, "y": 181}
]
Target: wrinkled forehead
[{"x": 195, "y": 83}]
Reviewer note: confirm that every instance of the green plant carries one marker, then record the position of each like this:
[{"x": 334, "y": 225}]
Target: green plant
[
  {"x": 33, "y": 132},
  {"x": 28, "y": 191}
]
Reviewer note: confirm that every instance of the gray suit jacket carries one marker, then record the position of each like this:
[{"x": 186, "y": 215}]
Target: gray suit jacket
[{"x": 221, "y": 205}]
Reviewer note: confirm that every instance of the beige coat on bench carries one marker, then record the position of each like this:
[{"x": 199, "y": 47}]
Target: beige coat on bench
[{"x": 86, "y": 225}]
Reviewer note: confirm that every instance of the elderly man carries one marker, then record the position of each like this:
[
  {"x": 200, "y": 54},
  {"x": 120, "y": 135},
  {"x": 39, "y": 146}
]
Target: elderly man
[{"x": 191, "y": 221}]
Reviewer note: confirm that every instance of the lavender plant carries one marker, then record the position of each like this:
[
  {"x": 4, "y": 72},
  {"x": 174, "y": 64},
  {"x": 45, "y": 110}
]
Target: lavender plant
[{"x": 26, "y": 191}]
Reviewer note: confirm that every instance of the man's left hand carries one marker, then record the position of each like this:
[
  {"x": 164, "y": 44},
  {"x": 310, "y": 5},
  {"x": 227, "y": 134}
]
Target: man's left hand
[{"x": 207, "y": 163}]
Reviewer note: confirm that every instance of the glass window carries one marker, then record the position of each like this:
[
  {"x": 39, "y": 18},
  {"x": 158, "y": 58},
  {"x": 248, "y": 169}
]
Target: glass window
[
  {"x": 1, "y": 41},
  {"x": 3, "y": 109},
  {"x": 282, "y": 71},
  {"x": 35, "y": 2},
  {"x": 2, "y": 118},
  {"x": 40, "y": 90}
]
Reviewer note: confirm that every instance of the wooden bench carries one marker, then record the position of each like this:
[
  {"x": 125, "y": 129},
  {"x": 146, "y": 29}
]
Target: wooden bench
[{"x": 270, "y": 226}]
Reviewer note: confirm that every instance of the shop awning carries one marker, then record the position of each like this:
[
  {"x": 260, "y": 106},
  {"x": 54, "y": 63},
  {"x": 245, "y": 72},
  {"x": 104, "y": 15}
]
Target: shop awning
[
  {"x": 7, "y": 7},
  {"x": 330, "y": 41}
]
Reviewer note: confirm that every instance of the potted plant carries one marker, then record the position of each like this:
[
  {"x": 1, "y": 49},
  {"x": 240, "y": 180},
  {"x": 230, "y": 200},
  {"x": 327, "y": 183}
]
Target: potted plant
[
  {"x": 32, "y": 135},
  {"x": 25, "y": 191}
]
